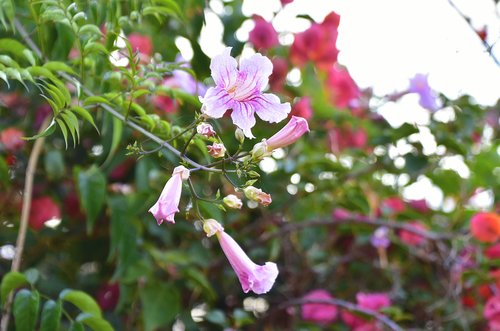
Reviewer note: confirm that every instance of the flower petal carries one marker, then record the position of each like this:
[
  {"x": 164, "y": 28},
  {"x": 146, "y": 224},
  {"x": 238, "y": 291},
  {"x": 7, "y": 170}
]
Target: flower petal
[
  {"x": 224, "y": 69},
  {"x": 243, "y": 116},
  {"x": 254, "y": 73},
  {"x": 216, "y": 102},
  {"x": 265, "y": 275},
  {"x": 269, "y": 108}
]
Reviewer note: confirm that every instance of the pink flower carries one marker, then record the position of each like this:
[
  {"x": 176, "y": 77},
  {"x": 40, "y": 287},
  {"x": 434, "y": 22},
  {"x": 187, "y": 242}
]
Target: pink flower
[
  {"x": 168, "y": 202},
  {"x": 108, "y": 295},
  {"x": 278, "y": 76},
  {"x": 373, "y": 301},
  {"x": 302, "y": 108},
  {"x": 263, "y": 35},
  {"x": 289, "y": 134},
  {"x": 493, "y": 252},
  {"x": 411, "y": 238},
  {"x": 141, "y": 43},
  {"x": 317, "y": 44},
  {"x": 392, "y": 205},
  {"x": 241, "y": 90},
  {"x": 419, "y": 205},
  {"x": 12, "y": 139},
  {"x": 321, "y": 313},
  {"x": 492, "y": 310},
  {"x": 428, "y": 98},
  {"x": 341, "y": 138},
  {"x": 216, "y": 150},
  {"x": 286, "y": 2},
  {"x": 351, "y": 320},
  {"x": 253, "y": 277},
  {"x": 343, "y": 89},
  {"x": 341, "y": 214},
  {"x": 205, "y": 129}
]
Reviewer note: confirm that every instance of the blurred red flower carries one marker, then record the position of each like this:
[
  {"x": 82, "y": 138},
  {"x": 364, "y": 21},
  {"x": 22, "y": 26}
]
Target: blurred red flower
[
  {"x": 42, "y": 210},
  {"x": 11, "y": 139},
  {"x": 263, "y": 35},
  {"x": 485, "y": 227}
]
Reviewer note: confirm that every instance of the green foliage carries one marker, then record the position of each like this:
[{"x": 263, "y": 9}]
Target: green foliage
[
  {"x": 26, "y": 305},
  {"x": 92, "y": 193}
]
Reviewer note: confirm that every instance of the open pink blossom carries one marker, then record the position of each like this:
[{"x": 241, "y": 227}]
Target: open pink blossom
[
  {"x": 168, "y": 202},
  {"x": 263, "y": 35},
  {"x": 205, "y": 129},
  {"x": 241, "y": 90},
  {"x": 342, "y": 88},
  {"x": 253, "y": 277},
  {"x": 321, "y": 313}
]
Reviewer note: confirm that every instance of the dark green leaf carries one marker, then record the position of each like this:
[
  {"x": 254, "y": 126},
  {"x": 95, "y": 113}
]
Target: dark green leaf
[
  {"x": 10, "y": 282},
  {"x": 92, "y": 192},
  {"x": 51, "y": 316},
  {"x": 82, "y": 300},
  {"x": 160, "y": 305},
  {"x": 54, "y": 164},
  {"x": 25, "y": 310}
]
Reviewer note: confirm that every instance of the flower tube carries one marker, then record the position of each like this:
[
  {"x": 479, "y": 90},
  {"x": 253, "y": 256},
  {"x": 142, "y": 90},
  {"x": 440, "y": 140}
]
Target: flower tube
[{"x": 168, "y": 202}]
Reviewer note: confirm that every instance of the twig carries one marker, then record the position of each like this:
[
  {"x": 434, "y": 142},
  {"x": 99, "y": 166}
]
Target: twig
[
  {"x": 358, "y": 219},
  {"x": 347, "y": 305},
  {"x": 487, "y": 46},
  {"x": 25, "y": 212}
]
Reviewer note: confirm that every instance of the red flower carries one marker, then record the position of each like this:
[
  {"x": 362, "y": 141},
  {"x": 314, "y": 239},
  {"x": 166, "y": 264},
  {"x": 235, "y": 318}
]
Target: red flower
[
  {"x": 340, "y": 138},
  {"x": 263, "y": 35},
  {"x": 493, "y": 252},
  {"x": 419, "y": 205},
  {"x": 317, "y": 44},
  {"x": 320, "y": 313},
  {"x": 278, "y": 77},
  {"x": 392, "y": 205},
  {"x": 11, "y": 139},
  {"x": 485, "y": 227},
  {"x": 343, "y": 90},
  {"x": 107, "y": 296},
  {"x": 42, "y": 210},
  {"x": 302, "y": 108}
]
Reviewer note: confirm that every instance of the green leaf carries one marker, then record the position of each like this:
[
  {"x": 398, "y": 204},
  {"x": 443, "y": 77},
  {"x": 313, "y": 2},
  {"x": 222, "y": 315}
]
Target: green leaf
[
  {"x": 90, "y": 29},
  {"x": 64, "y": 130},
  {"x": 29, "y": 56},
  {"x": 160, "y": 305},
  {"x": 11, "y": 281},
  {"x": 25, "y": 310},
  {"x": 77, "y": 326},
  {"x": 4, "y": 172},
  {"x": 73, "y": 126},
  {"x": 216, "y": 317},
  {"x": 95, "y": 47},
  {"x": 59, "y": 66},
  {"x": 48, "y": 131},
  {"x": 94, "y": 322},
  {"x": 32, "y": 275},
  {"x": 92, "y": 192},
  {"x": 51, "y": 316},
  {"x": 115, "y": 139},
  {"x": 82, "y": 300},
  {"x": 84, "y": 113},
  {"x": 95, "y": 100}
]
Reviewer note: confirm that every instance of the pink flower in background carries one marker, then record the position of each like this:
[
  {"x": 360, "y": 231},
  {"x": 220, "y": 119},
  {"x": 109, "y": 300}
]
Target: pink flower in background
[
  {"x": 419, "y": 205},
  {"x": 286, "y": 2},
  {"x": 380, "y": 238},
  {"x": 107, "y": 296},
  {"x": 241, "y": 90},
  {"x": 341, "y": 87},
  {"x": 168, "y": 202},
  {"x": 12, "y": 139},
  {"x": 341, "y": 138},
  {"x": 253, "y": 277},
  {"x": 373, "y": 301},
  {"x": 42, "y": 210},
  {"x": 321, "y": 313},
  {"x": 428, "y": 98},
  {"x": 317, "y": 44},
  {"x": 263, "y": 35},
  {"x": 411, "y": 238},
  {"x": 493, "y": 252},
  {"x": 341, "y": 214},
  {"x": 302, "y": 108},
  {"x": 491, "y": 312},
  {"x": 485, "y": 227},
  {"x": 392, "y": 206},
  {"x": 350, "y": 319},
  {"x": 278, "y": 76},
  {"x": 141, "y": 43}
]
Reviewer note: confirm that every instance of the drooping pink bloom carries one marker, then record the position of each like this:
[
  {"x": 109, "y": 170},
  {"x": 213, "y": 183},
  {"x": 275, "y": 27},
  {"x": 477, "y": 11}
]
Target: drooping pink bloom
[
  {"x": 289, "y": 134},
  {"x": 411, "y": 238},
  {"x": 168, "y": 202},
  {"x": 428, "y": 98},
  {"x": 253, "y": 277},
  {"x": 341, "y": 87},
  {"x": 216, "y": 150},
  {"x": 12, "y": 139},
  {"x": 317, "y": 44},
  {"x": 42, "y": 210},
  {"x": 321, "y": 313},
  {"x": 205, "y": 129},
  {"x": 263, "y": 35},
  {"x": 373, "y": 301},
  {"x": 241, "y": 90},
  {"x": 278, "y": 76},
  {"x": 302, "y": 108}
]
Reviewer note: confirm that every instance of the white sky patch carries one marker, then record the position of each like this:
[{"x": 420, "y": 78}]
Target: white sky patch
[
  {"x": 184, "y": 46},
  {"x": 423, "y": 188}
]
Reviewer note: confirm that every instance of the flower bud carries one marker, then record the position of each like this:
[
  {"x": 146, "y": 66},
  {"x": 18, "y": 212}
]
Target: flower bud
[
  {"x": 240, "y": 136},
  {"x": 256, "y": 194},
  {"x": 289, "y": 134},
  {"x": 217, "y": 150},
  {"x": 232, "y": 201},
  {"x": 211, "y": 227},
  {"x": 259, "y": 150},
  {"x": 205, "y": 129}
]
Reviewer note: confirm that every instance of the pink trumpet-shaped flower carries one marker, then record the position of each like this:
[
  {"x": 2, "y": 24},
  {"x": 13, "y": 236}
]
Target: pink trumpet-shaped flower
[
  {"x": 253, "y": 277},
  {"x": 241, "y": 90},
  {"x": 289, "y": 134},
  {"x": 428, "y": 98},
  {"x": 168, "y": 202}
]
